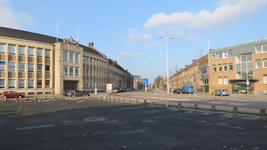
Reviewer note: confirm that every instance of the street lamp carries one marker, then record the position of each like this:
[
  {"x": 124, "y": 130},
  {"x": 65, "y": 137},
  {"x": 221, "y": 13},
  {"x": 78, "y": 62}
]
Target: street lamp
[
  {"x": 145, "y": 73},
  {"x": 168, "y": 87}
]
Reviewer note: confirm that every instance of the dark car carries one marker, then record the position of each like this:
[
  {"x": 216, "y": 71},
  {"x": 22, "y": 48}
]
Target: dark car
[
  {"x": 179, "y": 91},
  {"x": 11, "y": 94},
  {"x": 173, "y": 90},
  {"x": 65, "y": 92},
  {"x": 72, "y": 93}
]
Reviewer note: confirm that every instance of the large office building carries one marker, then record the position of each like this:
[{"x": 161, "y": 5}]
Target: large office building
[{"x": 33, "y": 63}]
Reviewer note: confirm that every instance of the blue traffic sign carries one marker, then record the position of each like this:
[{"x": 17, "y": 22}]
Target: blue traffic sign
[
  {"x": 145, "y": 81},
  {"x": 189, "y": 82}
]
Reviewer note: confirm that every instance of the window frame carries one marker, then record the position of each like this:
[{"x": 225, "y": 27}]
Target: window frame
[
  {"x": 230, "y": 67},
  {"x": 225, "y": 80},
  {"x": 256, "y": 61},
  {"x": 225, "y": 65},
  {"x": 65, "y": 59},
  {"x": 71, "y": 57},
  {"x": 220, "y": 66},
  {"x": 264, "y": 60},
  {"x": 38, "y": 53},
  {"x": 64, "y": 72},
  {"x": 31, "y": 69},
  {"x": 47, "y": 56},
  {"x": 20, "y": 67},
  {"x": 2, "y": 86},
  {"x": 21, "y": 87},
  {"x": 220, "y": 79},
  {"x": 46, "y": 71},
  {"x": 9, "y": 68},
  {"x": 3, "y": 66},
  {"x": 39, "y": 81},
  {"x": 264, "y": 78},
  {"x": 9, "y": 47},
  {"x": 2, "y": 48},
  {"x": 214, "y": 67},
  {"x": 77, "y": 58},
  {"x": 29, "y": 54},
  {"x": 29, "y": 85},
  {"x": 11, "y": 86},
  {"x": 77, "y": 69},
  {"x": 71, "y": 74},
  {"x": 39, "y": 70},
  {"x": 20, "y": 48}
]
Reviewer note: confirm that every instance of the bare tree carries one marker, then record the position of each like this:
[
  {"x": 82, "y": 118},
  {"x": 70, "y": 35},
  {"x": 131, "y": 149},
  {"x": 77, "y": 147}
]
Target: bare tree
[
  {"x": 170, "y": 72},
  {"x": 157, "y": 81},
  {"x": 200, "y": 53},
  {"x": 176, "y": 67}
]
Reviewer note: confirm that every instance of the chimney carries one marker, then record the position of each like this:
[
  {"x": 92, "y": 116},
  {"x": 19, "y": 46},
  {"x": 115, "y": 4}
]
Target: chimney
[
  {"x": 181, "y": 69},
  {"x": 90, "y": 44},
  {"x": 194, "y": 60},
  {"x": 115, "y": 61},
  {"x": 186, "y": 66}
]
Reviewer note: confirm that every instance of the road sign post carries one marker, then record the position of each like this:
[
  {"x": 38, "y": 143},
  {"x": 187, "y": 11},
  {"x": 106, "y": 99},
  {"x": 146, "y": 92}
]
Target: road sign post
[
  {"x": 145, "y": 82},
  {"x": 95, "y": 89},
  {"x": 247, "y": 85}
]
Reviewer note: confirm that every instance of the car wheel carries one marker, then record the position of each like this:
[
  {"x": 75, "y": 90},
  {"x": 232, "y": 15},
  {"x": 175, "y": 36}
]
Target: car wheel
[
  {"x": 4, "y": 96},
  {"x": 19, "y": 96}
]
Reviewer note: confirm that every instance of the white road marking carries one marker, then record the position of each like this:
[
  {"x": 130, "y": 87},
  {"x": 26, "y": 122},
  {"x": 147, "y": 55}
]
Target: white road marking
[
  {"x": 18, "y": 109},
  {"x": 35, "y": 127},
  {"x": 25, "y": 109}
]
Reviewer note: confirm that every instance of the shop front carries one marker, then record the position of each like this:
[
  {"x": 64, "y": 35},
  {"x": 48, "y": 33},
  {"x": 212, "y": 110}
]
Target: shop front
[{"x": 240, "y": 86}]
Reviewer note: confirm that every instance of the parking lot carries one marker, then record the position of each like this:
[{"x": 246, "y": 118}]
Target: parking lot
[{"x": 99, "y": 124}]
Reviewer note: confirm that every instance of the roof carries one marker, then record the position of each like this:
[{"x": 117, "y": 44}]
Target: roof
[{"x": 19, "y": 34}]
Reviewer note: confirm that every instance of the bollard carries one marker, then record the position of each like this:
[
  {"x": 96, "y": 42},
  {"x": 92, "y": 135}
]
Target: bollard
[
  {"x": 5, "y": 98},
  {"x": 179, "y": 105},
  {"x": 15, "y": 98},
  {"x": 152, "y": 103},
  {"x": 144, "y": 101},
  {"x": 195, "y": 106},
  {"x": 129, "y": 100},
  {"x": 136, "y": 101},
  {"x": 235, "y": 110},
  {"x": 83, "y": 96},
  {"x": 123, "y": 100},
  {"x": 213, "y": 108},
  {"x": 86, "y": 96},
  {"x": 25, "y": 98},
  {"x": 101, "y": 97},
  {"x": 34, "y": 98},
  {"x": 213, "y": 94},
  {"x": 263, "y": 112},
  {"x": 167, "y": 104}
]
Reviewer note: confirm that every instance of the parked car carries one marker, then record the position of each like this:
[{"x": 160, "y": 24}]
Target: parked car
[
  {"x": 173, "y": 91},
  {"x": 188, "y": 88},
  {"x": 12, "y": 94},
  {"x": 72, "y": 93},
  {"x": 179, "y": 91},
  {"x": 65, "y": 92},
  {"x": 115, "y": 90},
  {"x": 221, "y": 92}
]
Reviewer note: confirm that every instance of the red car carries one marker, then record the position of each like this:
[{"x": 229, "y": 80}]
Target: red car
[{"x": 11, "y": 94}]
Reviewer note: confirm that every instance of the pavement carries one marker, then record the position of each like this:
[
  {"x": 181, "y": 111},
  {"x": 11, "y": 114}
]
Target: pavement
[{"x": 99, "y": 124}]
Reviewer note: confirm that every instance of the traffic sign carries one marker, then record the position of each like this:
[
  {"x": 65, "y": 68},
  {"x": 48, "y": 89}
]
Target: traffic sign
[
  {"x": 247, "y": 81},
  {"x": 189, "y": 82},
  {"x": 145, "y": 81}
]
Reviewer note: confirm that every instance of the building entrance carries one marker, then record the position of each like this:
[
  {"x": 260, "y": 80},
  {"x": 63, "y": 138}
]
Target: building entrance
[
  {"x": 70, "y": 85},
  {"x": 242, "y": 87}
]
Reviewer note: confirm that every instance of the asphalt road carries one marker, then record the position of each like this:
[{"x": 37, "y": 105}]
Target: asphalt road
[{"x": 99, "y": 124}]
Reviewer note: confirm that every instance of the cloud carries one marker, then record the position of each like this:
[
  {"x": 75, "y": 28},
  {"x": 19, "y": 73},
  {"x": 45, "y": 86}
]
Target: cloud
[
  {"x": 160, "y": 62},
  {"x": 170, "y": 31},
  {"x": 130, "y": 30},
  {"x": 149, "y": 45},
  {"x": 136, "y": 53},
  {"x": 12, "y": 19},
  {"x": 160, "y": 55},
  {"x": 227, "y": 10},
  {"x": 137, "y": 36},
  {"x": 125, "y": 53},
  {"x": 192, "y": 37}
]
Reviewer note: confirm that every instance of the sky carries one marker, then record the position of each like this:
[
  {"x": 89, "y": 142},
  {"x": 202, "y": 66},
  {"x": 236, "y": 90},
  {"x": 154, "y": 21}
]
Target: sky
[{"x": 129, "y": 31}]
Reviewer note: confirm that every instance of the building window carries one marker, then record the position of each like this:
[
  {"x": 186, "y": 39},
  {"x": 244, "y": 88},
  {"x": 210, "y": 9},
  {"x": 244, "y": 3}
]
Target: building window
[
  {"x": 11, "y": 83},
  {"x": 11, "y": 67},
  {"x": 83, "y": 59},
  {"x": 47, "y": 54},
  {"x": 214, "y": 68},
  {"x": 2, "y": 49},
  {"x": 91, "y": 73},
  {"x": 87, "y": 60},
  {"x": 265, "y": 78},
  {"x": 21, "y": 50},
  {"x": 220, "y": 55},
  {"x": 77, "y": 60},
  {"x": 225, "y": 80},
  {"x": 30, "y": 83},
  {"x": 30, "y": 51},
  {"x": 21, "y": 83},
  {"x": 71, "y": 71},
  {"x": 219, "y": 68},
  {"x": 261, "y": 49},
  {"x": 3, "y": 66},
  {"x": 47, "y": 68},
  {"x": 258, "y": 64},
  {"x": 12, "y": 49},
  {"x": 244, "y": 66},
  {"x": 71, "y": 56},
  {"x": 21, "y": 67},
  {"x": 39, "y": 68},
  {"x": 231, "y": 67},
  {"x": 30, "y": 67},
  {"x": 65, "y": 70},
  {"x": 47, "y": 83},
  {"x": 220, "y": 80},
  {"x": 225, "y": 54},
  {"x": 88, "y": 72},
  {"x": 65, "y": 56},
  {"x": 2, "y": 83},
  {"x": 39, "y": 83},
  {"x": 224, "y": 67},
  {"x": 77, "y": 71},
  {"x": 264, "y": 61},
  {"x": 39, "y": 52}
]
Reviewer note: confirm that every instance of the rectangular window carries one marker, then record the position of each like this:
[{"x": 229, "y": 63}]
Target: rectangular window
[
  {"x": 2, "y": 48},
  {"x": 264, "y": 61},
  {"x": 225, "y": 80},
  {"x": 21, "y": 83},
  {"x": 30, "y": 67},
  {"x": 219, "y": 68},
  {"x": 258, "y": 49},
  {"x": 21, "y": 67},
  {"x": 12, "y": 49},
  {"x": 71, "y": 56},
  {"x": 39, "y": 68},
  {"x": 220, "y": 55},
  {"x": 91, "y": 73},
  {"x": 231, "y": 67},
  {"x": 229, "y": 54},
  {"x": 220, "y": 81},
  {"x": 87, "y": 85},
  {"x": 265, "y": 78},
  {"x": 39, "y": 83},
  {"x": 65, "y": 56},
  {"x": 88, "y": 72},
  {"x": 11, "y": 83},
  {"x": 224, "y": 67},
  {"x": 47, "y": 83},
  {"x": 91, "y": 61},
  {"x": 77, "y": 60},
  {"x": 47, "y": 54},
  {"x": 258, "y": 64},
  {"x": 65, "y": 70},
  {"x": 11, "y": 66},
  {"x": 3, "y": 66},
  {"x": 47, "y": 68},
  {"x": 225, "y": 54},
  {"x": 39, "y": 52},
  {"x": 2, "y": 83},
  {"x": 71, "y": 71},
  {"x": 30, "y": 51},
  {"x": 30, "y": 83},
  {"x": 77, "y": 71},
  {"x": 83, "y": 60},
  {"x": 264, "y": 48},
  {"x": 87, "y": 60},
  {"x": 21, "y": 50}
]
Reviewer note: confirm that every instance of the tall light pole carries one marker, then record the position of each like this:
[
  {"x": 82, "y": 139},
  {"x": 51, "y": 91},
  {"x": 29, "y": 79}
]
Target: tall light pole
[
  {"x": 145, "y": 73},
  {"x": 168, "y": 86}
]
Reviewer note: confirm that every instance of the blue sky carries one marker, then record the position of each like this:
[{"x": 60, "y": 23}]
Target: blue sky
[{"x": 129, "y": 31}]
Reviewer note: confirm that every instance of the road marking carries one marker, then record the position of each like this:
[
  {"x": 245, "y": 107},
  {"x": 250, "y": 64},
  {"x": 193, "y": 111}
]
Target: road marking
[
  {"x": 18, "y": 109},
  {"x": 35, "y": 127},
  {"x": 25, "y": 109}
]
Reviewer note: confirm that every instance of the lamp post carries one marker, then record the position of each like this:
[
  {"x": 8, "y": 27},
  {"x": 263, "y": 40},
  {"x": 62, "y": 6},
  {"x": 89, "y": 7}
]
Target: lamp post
[
  {"x": 168, "y": 86},
  {"x": 145, "y": 73}
]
